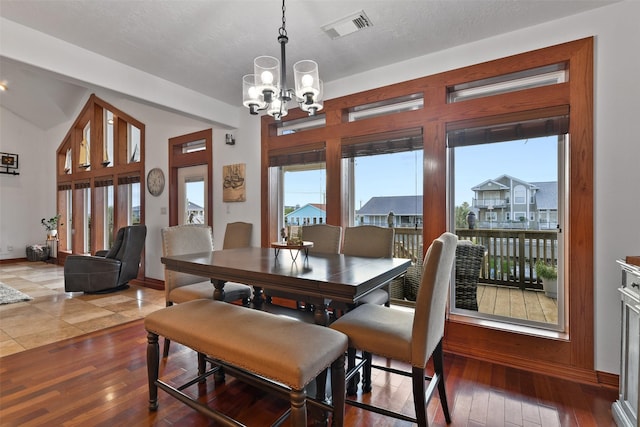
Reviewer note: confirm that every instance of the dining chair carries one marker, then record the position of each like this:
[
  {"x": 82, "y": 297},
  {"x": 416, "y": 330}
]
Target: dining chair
[
  {"x": 412, "y": 337},
  {"x": 374, "y": 242},
  {"x": 183, "y": 287},
  {"x": 237, "y": 235},
  {"x": 326, "y": 238}
]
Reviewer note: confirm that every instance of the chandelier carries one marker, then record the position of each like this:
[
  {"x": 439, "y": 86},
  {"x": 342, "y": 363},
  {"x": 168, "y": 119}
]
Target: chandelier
[{"x": 266, "y": 89}]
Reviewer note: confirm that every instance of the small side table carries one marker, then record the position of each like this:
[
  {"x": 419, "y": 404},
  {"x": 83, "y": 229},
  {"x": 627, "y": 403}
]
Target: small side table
[
  {"x": 304, "y": 246},
  {"x": 52, "y": 244}
]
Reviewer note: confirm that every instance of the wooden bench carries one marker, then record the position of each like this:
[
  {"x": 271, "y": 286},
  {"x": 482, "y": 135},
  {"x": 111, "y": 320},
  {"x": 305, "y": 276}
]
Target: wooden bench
[{"x": 279, "y": 353}]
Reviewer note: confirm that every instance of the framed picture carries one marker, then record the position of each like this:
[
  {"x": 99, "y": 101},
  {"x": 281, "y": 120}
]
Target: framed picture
[
  {"x": 233, "y": 183},
  {"x": 9, "y": 163}
]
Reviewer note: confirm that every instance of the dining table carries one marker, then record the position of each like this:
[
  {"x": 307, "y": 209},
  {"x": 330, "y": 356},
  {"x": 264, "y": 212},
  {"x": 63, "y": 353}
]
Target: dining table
[{"x": 321, "y": 279}]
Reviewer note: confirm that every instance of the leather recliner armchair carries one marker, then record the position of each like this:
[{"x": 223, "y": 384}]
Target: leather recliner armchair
[{"x": 110, "y": 270}]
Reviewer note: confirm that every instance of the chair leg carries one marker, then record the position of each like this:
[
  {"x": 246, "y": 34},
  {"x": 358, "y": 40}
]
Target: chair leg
[
  {"x": 366, "y": 372},
  {"x": 167, "y": 341},
  {"x": 202, "y": 364},
  {"x": 338, "y": 391},
  {"x": 153, "y": 359},
  {"x": 417, "y": 376},
  {"x": 352, "y": 387},
  {"x": 298, "y": 408},
  {"x": 388, "y": 289},
  {"x": 165, "y": 351},
  {"x": 438, "y": 364}
]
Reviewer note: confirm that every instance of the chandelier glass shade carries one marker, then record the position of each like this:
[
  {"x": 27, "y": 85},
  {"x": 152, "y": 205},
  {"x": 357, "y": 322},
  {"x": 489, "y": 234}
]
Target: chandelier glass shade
[{"x": 266, "y": 89}]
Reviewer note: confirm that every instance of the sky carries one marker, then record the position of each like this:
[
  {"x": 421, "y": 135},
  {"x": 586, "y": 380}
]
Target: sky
[{"x": 532, "y": 160}]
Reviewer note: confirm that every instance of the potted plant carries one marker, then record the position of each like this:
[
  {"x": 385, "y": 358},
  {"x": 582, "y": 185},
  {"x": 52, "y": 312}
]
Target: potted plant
[
  {"x": 549, "y": 275},
  {"x": 51, "y": 225}
]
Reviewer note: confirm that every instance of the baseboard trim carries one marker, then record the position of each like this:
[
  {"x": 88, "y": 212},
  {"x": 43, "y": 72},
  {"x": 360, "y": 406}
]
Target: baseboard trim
[
  {"x": 608, "y": 379},
  {"x": 570, "y": 373},
  {"x": 12, "y": 260},
  {"x": 149, "y": 282}
]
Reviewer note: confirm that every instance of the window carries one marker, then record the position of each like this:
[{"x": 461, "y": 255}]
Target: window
[
  {"x": 384, "y": 176},
  {"x": 65, "y": 209},
  {"x": 508, "y": 289},
  {"x": 102, "y": 191},
  {"x": 104, "y": 202},
  {"x": 190, "y": 189},
  {"x": 107, "y": 149},
  {"x": 81, "y": 218},
  {"x": 519, "y": 98},
  {"x": 133, "y": 145},
  {"x": 302, "y": 181},
  {"x": 519, "y": 195}
]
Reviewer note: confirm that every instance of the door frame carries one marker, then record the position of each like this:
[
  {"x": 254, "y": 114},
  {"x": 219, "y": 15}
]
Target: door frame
[{"x": 178, "y": 158}]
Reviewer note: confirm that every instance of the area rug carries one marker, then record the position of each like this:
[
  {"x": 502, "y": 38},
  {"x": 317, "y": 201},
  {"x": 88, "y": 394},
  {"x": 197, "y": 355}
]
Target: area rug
[{"x": 8, "y": 295}]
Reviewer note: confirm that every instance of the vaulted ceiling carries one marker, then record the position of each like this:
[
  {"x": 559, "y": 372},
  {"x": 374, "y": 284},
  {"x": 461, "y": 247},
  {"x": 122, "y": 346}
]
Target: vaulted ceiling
[{"x": 207, "y": 46}]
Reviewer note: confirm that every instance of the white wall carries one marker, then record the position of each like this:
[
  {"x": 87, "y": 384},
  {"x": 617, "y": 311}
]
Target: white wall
[
  {"x": 246, "y": 150},
  {"x": 616, "y": 135},
  {"x": 26, "y": 198}
]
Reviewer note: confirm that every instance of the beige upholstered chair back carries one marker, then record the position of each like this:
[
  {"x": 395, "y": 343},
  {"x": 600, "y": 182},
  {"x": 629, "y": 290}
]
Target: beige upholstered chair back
[
  {"x": 368, "y": 241},
  {"x": 428, "y": 321},
  {"x": 237, "y": 235},
  {"x": 180, "y": 240},
  {"x": 326, "y": 238}
]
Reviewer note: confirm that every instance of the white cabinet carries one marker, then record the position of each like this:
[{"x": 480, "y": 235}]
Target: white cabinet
[{"x": 625, "y": 409}]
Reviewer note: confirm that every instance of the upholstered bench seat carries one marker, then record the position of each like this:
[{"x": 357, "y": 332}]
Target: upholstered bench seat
[{"x": 280, "y": 349}]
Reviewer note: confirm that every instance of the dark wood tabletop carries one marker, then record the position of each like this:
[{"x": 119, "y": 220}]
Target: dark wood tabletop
[{"x": 323, "y": 277}]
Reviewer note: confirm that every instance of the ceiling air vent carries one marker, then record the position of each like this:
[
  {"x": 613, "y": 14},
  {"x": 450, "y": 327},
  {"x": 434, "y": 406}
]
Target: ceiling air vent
[{"x": 347, "y": 25}]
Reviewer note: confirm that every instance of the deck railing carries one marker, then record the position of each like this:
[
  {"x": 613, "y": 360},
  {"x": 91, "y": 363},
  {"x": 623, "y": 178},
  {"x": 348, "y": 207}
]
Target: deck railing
[
  {"x": 510, "y": 256},
  {"x": 408, "y": 243}
]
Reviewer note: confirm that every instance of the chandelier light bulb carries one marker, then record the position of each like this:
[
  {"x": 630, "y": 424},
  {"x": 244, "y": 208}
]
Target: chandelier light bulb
[
  {"x": 267, "y": 77},
  {"x": 307, "y": 80}
]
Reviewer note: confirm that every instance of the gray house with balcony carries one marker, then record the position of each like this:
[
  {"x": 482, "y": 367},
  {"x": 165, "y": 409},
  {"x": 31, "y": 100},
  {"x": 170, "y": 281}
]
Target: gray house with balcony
[
  {"x": 407, "y": 211},
  {"x": 509, "y": 202}
]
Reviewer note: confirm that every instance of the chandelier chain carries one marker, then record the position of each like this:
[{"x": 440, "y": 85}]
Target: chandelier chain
[{"x": 283, "y": 30}]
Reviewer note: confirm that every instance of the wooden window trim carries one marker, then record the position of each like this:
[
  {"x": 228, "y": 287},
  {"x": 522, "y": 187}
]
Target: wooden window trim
[
  {"x": 178, "y": 159},
  {"x": 571, "y": 356},
  {"x": 93, "y": 112}
]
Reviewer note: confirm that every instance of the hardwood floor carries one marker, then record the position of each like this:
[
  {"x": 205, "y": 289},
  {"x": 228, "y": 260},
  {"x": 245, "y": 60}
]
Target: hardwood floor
[{"x": 100, "y": 379}]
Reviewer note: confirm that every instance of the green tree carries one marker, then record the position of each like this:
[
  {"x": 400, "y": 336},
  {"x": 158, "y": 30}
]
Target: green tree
[{"x": 461, "y": 215}]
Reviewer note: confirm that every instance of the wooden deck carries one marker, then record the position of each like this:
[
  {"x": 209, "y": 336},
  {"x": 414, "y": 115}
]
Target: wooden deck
[{"x": 518, "y": 304}]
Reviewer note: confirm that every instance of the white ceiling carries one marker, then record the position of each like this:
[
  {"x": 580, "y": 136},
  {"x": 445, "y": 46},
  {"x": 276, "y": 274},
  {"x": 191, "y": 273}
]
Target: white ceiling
[{"x": 208, "y": 46}]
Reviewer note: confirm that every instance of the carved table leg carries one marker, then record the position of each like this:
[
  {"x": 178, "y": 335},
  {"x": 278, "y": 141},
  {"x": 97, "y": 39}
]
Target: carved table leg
[
  {"x": 218, "y": 293},
  {"x": 321, "y": 315},
  {"x": 257, "y": 296}
]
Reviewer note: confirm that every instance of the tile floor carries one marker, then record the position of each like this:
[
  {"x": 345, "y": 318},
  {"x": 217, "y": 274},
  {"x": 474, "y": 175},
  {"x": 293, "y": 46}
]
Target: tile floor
[{"x": 54, "y": 314}]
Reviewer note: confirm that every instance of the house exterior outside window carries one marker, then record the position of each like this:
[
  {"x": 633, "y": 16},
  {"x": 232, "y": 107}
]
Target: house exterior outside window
[{"x": 492, "y": 203}]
